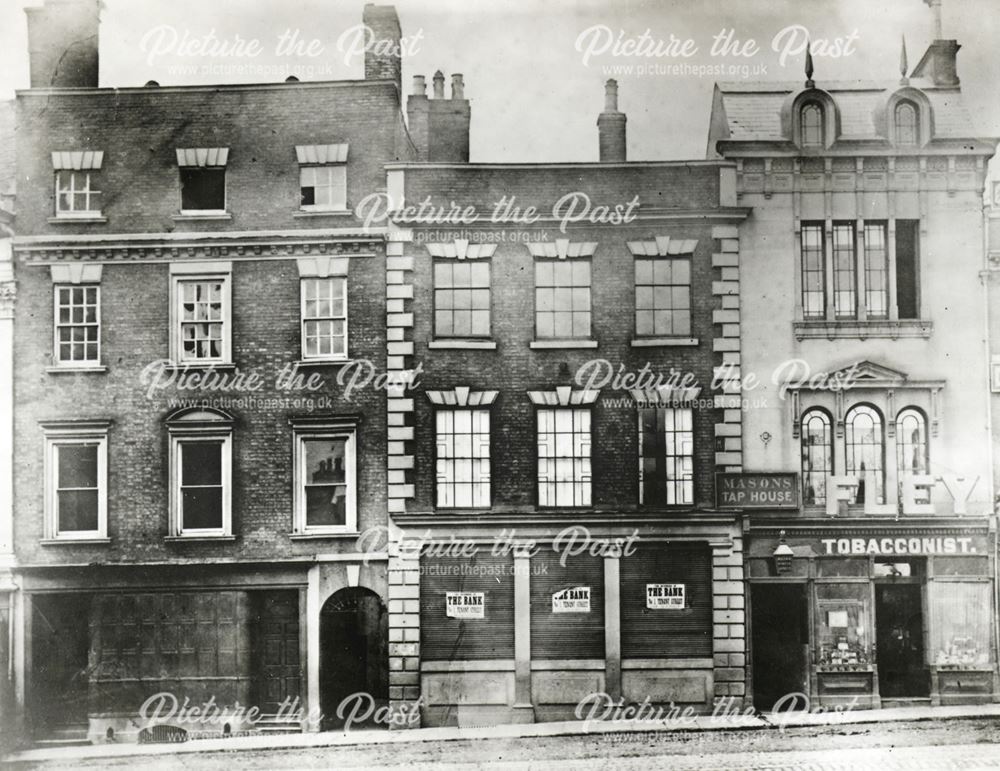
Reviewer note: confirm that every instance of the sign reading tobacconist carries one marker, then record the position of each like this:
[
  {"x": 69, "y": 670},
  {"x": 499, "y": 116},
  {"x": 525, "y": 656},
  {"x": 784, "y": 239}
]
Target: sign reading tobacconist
[
  {"x": 757, "y": 491},
  {"x": 904, "y": 545}
]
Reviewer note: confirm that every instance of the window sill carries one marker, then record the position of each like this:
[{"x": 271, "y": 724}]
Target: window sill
[
  {"x": 322, "y": 213},
  {"x": 543, "y": 345},
  {"x": 95, "y": 541},
  {"x": 181, "y": 366},
  {"x": 186, "y": 216},
  {"x": 89, "y": 218},
  {"x": 317, "y": 536},
  {"x": 832, "y": 330},
  {"x": 67, "y": 369},
  {"x": 656, "y": 342},
  {"x": 322, "y": 362},
  {"x": 459, "y": 344},
  {"x": 186, "y": 538}
]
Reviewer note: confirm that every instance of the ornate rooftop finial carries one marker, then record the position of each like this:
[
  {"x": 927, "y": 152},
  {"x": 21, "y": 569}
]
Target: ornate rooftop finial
[
  {"x": 809, "y": 66},
  {"x": 903, "y": 65}
]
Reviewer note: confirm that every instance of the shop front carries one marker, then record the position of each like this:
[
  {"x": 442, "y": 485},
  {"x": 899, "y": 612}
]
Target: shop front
[
  {"x": 868, "y": 615},
  {"x": 542, "y": 629}
]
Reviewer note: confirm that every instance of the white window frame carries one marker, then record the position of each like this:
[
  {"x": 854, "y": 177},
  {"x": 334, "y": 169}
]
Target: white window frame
[
  {"x": 59, "y": 435},
  {"x": 215, "y": 431},
  {"x": 322, "y": 431},
  {"x": 181, "y": 274},
  {"x": 335, "y": 185},
  {"x": 587, "y": 484},
  {"x": 302, "y": 320},
  {"x": 442, "y": 455},
  {"x": 88, "y": 190},
  {"x": 56, "y": 325}
]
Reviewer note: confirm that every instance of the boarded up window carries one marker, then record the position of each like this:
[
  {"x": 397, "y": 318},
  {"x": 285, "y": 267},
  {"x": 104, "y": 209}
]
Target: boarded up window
[
  {"x": 443, "y": 638},
  {"x": 569, "y": 633},
  {"x": 664, "y": 633}
]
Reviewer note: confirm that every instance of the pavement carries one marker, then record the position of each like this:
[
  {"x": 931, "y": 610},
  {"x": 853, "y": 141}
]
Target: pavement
[{"x": 388, "y": 738}]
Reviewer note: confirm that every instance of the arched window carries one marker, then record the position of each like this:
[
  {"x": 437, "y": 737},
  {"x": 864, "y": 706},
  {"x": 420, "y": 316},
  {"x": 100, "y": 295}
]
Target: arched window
[
  {"x": 811, "y": 125},
  {"x": 907, "y": 125},
  {"x": 911, "y": 442},
  {"x": 865, "y": 445},
  {"x": 817, "y": 456}
]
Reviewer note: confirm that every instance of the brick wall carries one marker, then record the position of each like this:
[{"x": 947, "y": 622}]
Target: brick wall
[
  {"x": 134, "y": 313},
  {"x": 140, "y": 129}
]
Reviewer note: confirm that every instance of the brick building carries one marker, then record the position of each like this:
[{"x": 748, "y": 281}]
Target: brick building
[
  {"x": 191, "y": 474},
  {"x": 557, "y": 530},
  {"x": 872, "y": 567}
]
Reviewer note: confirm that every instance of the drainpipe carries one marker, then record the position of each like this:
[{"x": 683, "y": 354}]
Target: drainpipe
[{"x": 985, "y": 280}]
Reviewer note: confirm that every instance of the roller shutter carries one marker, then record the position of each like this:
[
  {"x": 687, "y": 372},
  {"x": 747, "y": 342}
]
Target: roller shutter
[
  {"x": 648, "y": 633},
  {"x": 453, "y": 639},
  {"x": 566, "y": 635}
]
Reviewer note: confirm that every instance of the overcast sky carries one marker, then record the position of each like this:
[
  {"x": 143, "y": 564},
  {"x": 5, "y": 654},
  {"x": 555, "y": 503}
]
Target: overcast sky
[{"x": 535, "y": 94}]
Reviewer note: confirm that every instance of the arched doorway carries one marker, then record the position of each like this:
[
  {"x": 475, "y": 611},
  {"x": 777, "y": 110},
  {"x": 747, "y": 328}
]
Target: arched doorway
[{"x": 354, "y": 656}]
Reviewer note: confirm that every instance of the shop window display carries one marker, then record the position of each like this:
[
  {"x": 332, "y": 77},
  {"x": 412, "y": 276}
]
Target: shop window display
[
  {"x": 960, "y": 631},
  {"x": 842, "y": 633}
]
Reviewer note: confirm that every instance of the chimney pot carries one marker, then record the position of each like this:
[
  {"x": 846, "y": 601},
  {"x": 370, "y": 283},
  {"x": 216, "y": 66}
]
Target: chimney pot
[
  {"x": 439, "y": 85},
  {"x": 611, "y": 96},
  {"x": 457, "y": 87},
  {"x": 611, "y": 127},
  {"x": 419, "y": 85}
]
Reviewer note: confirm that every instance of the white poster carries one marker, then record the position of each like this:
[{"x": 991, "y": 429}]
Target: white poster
[
  {"x": 665, "y": 596},
  {"x": 576, "y": 599},
  {"x": 465, "y": 604}
]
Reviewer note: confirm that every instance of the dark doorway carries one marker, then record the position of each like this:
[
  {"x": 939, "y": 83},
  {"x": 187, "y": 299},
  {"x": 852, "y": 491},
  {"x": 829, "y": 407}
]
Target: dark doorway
[
  {"x": 60, "y": 671},
  {"x": 275, "y": 651},
  {"x": 899, "y": 640},
  {"x": 780, "y": 644},
  {"x": 354, "y": 656}
]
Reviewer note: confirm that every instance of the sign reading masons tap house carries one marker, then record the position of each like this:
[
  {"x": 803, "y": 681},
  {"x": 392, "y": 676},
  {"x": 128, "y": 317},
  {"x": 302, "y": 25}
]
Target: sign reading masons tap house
[
  {"x": 757, "y": 490},
  {"x": 465, "y": 604}
]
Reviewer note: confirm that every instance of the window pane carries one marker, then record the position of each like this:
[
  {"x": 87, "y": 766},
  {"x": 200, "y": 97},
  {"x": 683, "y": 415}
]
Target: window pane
[
  {"x": 202, "y": 508},
  {"x": 203, "y": 188},
  {"x": 201, "y": 463},
  {"x": 326, "y": 505},
  {"x": 325, "y": 461},
  {"x": 813, "y": 271},
  {"x": 77, "y": 510},
  {"x": 77, "y": 465}
]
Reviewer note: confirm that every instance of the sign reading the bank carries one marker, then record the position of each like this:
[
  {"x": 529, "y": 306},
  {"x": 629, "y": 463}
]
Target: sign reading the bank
[
  {"x": 665, "y": 596},
  {"x": 576, "y": 599},
  {"x": 465, "y": 604},
  {"x": 757, "y": 490}
]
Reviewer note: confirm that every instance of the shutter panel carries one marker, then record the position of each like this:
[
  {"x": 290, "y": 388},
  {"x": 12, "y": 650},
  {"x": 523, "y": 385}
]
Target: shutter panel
[
  {"x": 667, "y": 633},
  {"x": 454, "y": 639},
  {"x": 566, "y": 635}
]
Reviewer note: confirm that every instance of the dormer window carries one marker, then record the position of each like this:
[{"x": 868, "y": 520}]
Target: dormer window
[
  {"x": 811, "y": 125},
  {"x": 906, "y": 125}
]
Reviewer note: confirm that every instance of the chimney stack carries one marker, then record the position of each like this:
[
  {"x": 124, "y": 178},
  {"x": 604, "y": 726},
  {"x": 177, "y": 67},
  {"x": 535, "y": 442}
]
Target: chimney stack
[
  {"x": 940, "y": 63},
  {"x": 439, "y": 127},
  {"x": 611, "y": 127},
  {"x": 63, "y": 43},
  {"x": 383, "y": 56}
]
